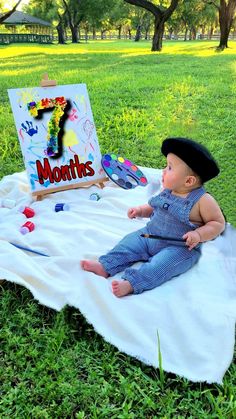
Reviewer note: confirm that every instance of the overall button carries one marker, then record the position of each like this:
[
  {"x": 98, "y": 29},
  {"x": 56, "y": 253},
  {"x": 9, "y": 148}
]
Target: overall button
[{"x": 166, "y": 206}]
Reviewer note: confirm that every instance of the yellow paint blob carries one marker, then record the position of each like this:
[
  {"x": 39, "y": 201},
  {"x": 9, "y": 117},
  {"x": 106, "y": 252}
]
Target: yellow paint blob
[{"x": 70, "y": 138}]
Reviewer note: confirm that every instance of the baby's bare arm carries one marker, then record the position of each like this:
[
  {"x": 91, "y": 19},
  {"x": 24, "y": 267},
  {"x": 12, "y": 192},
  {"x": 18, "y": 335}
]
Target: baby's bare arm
[
  {"x": 213, "y": 219},
  {"x": 140, "y": 211}
]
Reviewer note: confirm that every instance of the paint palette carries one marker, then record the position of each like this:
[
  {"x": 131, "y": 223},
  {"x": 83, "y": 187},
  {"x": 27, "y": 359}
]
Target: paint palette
[{"x": 123, "y": 172}]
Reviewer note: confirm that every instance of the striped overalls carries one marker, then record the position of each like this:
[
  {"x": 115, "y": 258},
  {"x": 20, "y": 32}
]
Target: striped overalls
[{"x": 163, "y": 259}]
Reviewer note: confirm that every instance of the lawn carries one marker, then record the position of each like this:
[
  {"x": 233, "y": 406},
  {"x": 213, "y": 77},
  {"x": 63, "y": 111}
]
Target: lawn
[{"x": 54, "y": 365}]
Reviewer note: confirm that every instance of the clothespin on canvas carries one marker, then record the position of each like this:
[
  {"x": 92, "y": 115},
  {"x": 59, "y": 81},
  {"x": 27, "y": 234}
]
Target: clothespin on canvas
[{"x": 45, "y": 82}]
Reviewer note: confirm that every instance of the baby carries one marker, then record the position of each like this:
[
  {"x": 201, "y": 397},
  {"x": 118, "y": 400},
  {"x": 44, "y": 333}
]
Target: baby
[{"x": 182, "y": 210}]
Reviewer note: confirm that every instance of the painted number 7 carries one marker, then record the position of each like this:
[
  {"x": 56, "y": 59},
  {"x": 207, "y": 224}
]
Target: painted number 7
[{"x": 59, "y": 104}]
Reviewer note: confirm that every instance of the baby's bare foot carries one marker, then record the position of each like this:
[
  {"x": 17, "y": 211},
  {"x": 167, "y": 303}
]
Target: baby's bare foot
[
  {"x": 94, "y": 266},
  {"x": 121, "y": 288}
]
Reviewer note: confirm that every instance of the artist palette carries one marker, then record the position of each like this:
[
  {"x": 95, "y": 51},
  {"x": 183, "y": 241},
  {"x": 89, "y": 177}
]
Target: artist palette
[{"x": 123, "y": 171}]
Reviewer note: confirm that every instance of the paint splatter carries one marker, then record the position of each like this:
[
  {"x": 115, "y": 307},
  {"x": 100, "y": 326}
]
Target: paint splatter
[
  {"x": 37, "y": 150},
  {"x": 88, "y": 128},
  {"x": 83, "y": 103},
  {"x": 20, "y": 134},
  {"x": 26, "y": 96},
  {"x": 73, "y": 115},
  {"x": 91, "y": 157},
  {"x": 70, "y": 138}
]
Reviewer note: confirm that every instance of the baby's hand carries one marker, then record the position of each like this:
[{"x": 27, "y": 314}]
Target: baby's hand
[
  {"x": 134, "y": 212},
  {"x": 192, "y": 239}
]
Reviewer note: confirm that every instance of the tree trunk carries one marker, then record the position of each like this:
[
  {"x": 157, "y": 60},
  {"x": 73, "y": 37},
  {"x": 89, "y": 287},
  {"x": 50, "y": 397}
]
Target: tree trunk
[
  {"x": 224, "y": 36},
  {"x": 103, "y": 33},
  {"x": 161, "y": 15},
  {"x": 159, "y": 27},
  {"x": 193, "y": 33},
  {"x": 74, "y": 19},
  {"x": 119, "y": 31},
  {"x": 86, "y": 34},
  {"x": 224, "y": 30},
  {"x": 226, "y": 15},
  {"x": 138, "y": 33},
  {"x": 211, "y": 32},
  {"x": 60, "y": 33},
  {"x": 94, "y": 33},
  {"x": 74, "y": 34},
  {"x": 185, "y": 34}
]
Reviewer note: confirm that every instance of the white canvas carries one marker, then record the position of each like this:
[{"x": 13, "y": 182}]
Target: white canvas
[{"x": 80, "y": 159}]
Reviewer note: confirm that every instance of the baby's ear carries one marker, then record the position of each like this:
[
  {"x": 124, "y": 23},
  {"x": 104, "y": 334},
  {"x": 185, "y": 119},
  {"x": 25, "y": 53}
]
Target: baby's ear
[{"x": 191, "y": 181}]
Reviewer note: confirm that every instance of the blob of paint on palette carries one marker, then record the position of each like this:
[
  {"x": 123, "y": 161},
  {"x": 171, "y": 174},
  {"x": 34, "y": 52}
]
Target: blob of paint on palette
[{"x": 123, "y": 171}]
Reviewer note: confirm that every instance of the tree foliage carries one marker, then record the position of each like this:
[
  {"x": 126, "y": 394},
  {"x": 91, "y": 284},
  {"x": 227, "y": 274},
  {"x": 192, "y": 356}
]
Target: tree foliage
[
  {"x": 5, "y": 15},
  {"x": 75, "y": 13},
  {"x": 188, "y": 16},
  {"x": 161, "y": 12}
]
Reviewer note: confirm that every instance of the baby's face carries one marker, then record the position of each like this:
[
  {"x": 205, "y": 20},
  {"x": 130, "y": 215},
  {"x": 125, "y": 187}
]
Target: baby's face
[{"x": 175, "y": 173}]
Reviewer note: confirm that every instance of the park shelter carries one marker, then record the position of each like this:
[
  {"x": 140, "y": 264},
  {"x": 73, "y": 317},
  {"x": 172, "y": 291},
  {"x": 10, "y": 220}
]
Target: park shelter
[{"x": 22, "y": 27}]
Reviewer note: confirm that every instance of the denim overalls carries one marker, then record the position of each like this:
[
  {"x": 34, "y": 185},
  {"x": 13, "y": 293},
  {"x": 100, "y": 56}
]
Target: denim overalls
[{"x": 163, "y": 259}]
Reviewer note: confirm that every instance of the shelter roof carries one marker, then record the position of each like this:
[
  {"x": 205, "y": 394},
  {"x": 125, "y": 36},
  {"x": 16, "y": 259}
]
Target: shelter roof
[{"x": 21, "y": 18}]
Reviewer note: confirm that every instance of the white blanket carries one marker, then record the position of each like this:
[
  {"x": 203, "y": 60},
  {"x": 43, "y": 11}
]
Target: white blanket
[{"x": 194, "y": 313}]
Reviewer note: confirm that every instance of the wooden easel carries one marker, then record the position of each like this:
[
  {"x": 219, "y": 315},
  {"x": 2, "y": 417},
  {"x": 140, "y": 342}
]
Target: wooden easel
[
  {"x": 38, "y": 195},
  {"x": 45, "y": 82}
]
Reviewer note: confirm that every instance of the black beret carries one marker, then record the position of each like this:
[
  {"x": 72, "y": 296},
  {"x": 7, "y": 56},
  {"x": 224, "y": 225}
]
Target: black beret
[{"x": 195, "y": 155}]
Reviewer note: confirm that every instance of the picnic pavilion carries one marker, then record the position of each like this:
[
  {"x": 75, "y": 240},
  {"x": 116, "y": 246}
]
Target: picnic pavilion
[{"x": 22, "y": 27}]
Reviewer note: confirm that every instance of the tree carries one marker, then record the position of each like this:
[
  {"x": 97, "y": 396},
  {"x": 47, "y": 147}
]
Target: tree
[
  {"x": 7, "y": 14},
  {"x": 52, "y": 11},
  {"x": 100, "y": 15},
  {"x": 119, "y": 15},
  {"x": 147, "y": 23},
  {"x": 226, "y": 16},
  {"x": 60, "y": 13},
  {"x": 60, "y": 27},
  {"x": 161, "y": 15},
  {"x": 72, "y": 13},
  {"x": 75, "y": 13},
  {"x": 141, "y": 21},
  {"x": 208, "y": 20},
  {"x": 137, "y": 23},
  {"x": 226, "y": 10},
  {"x": 189, "y": 16}
]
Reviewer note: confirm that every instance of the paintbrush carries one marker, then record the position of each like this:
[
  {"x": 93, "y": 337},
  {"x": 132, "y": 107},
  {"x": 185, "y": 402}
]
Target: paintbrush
[
  {"x": 27, "y": 249},
  {"x": 154, "y": 236}
]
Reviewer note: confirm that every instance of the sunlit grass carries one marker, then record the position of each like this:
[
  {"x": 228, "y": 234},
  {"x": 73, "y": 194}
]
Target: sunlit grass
[
  {"x": 126, "y": 48},
  {"x": 55, "y": 365}
]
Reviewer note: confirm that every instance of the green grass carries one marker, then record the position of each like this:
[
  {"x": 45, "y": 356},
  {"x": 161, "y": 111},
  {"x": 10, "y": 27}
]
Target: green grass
[{"x": 54, "y": 365}]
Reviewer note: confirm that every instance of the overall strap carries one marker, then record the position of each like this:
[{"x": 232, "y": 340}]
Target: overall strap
[{"x": 196, "y": 194}]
